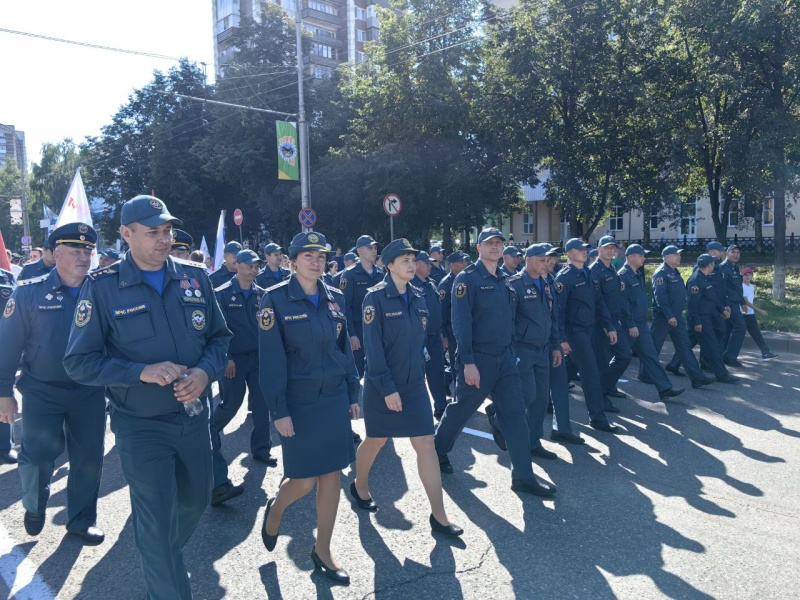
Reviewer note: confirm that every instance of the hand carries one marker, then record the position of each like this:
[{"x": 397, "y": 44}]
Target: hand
[
  {"x": 394, "y": 403},
  {"x": 673, "y": 322},
  {"x": 191, "y": 386},
  {"x": 355, "y": 412},
  {"x": 472, "y": 376},
  {"x": 162, "y": 373},
  {"x": 566, "y": 348},
  {"x": 8, "y": 408},
  {"x": 444, "y": 343},
  {"x": 230, "y": 370},
  {"x": 354, "y": 343},
  {"x": 612, "y": 337},
  {"x": 725, "y": 314},
  {"x": 557, "y": 358},
  {"x": 698, "y": 328},
  {"x": 285, "y": 426},
  {"x": 633, "y": 332},
  {"x": 762, "y": 312}
]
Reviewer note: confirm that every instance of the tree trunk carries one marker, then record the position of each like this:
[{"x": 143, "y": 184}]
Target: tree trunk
[
  {"x": 447, "y": 234},
  {"x": 779, "y": 279},
  {"x": 465, "y": 245},
  {"x": 758, "y": 229},
  {"x": 646, "y": 227}
]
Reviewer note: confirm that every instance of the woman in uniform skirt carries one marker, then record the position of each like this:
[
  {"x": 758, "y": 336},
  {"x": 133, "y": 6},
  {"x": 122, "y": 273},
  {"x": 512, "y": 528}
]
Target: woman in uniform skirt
[
  {"x": 396, "y": 400},
  {"x": 311, "y": 385}
]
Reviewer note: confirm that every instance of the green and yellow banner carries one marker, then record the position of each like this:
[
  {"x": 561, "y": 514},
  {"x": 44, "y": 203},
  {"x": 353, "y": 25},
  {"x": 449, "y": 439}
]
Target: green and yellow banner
[{"x": 288, "y": 154}]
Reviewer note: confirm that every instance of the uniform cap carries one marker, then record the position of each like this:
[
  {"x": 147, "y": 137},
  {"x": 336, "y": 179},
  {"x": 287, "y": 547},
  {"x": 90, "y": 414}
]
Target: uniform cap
[
  {"x": 110, "y": 253},
  {"x": 232, "y": 248},
  {"x": 733, "y": 247},
  {"x": 436, "y": 249},
  {"x": 636, "y": 249},
  {"x": 555, "y": 251},
  {"x": 714, "y": 246},
  {"x": 670, "y": 250},
  {"x": 422, "y": 256},
  {"x": 607, "y": 240},
  {"x": 350, "y": 256},
  {"x": 489, "y": 233},
  {"x": 181, "y": 239},
  {"x": 77, "y": 235},
  {"x": 512, "y": 251},
  {"x": 307, "y": 241},
  {"x": 365, "y": 240},
  {"x": 704, "y": 260},
  {"x": 147, "y": 210},
  {"x": 457, "y": 257},
  {"x": 576, "y": 243},
  {"x": 397, "y": 248},
  {"x": 247, "y": 257},
  {"x": 593, "y": 252},
  {"x": 271, "y": 247},
  {"x": 537, "y": 250}
]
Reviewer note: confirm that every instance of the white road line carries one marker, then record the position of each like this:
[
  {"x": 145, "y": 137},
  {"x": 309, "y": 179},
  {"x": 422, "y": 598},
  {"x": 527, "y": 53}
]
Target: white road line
[
  {"x": 477, "y": 433},
  {"x": 19, "y": 573}
]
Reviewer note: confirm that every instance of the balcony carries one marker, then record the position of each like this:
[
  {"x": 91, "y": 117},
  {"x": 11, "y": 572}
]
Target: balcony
[
  {"x": 325, "y": 62},
  {"x": 311, "y": 14},
  {"x": 372, "y": 23},
  {"x": 328, "y": 41},
  {"x": 223, "y": 36}
]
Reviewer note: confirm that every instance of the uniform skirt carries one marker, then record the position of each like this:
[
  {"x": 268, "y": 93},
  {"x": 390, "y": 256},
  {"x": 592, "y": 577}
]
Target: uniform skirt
[{"x": 416, "y": 418}]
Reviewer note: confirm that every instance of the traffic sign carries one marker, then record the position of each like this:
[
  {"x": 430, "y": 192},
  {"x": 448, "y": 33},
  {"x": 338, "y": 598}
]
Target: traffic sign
[
  {"x": 307, "y": 217},
  {"x": 26, "y": 241},
  {"x": 238, "y": 217},
  {"x": 392, "y": 205}
]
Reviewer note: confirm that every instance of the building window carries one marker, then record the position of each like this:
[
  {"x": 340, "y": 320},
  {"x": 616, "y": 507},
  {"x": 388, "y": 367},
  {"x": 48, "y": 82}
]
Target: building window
[
  {"x": 321, "y": 6},
  {"x": 361, "y": 13},
  {"x": 767, "y": 213},
  {"x": 654, "y": 217},
  {"x": 361, "y": 35},
  {"x": 321, "y": 72},
  {"x": 371, "y": 11},
  {"x": 733, "y": 214},
  {"x": 359, "y": 57},
  {"x": 323, "y": 50},
  {"x": 527, "y": 223},
  {"x": 615, "y": 221},
  {"x": 321, "y": 32}
]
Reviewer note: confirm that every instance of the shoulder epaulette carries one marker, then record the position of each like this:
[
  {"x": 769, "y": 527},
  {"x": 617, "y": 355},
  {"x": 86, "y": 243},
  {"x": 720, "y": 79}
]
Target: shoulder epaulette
[
  {"x": 333, "y": 289},
  {"x": 32, "y": 280},
  {"x": 470, "y": 268},
  {"x": 105, "y": 271},
  {"x": 283, "y": 283},
  {"x": 378, "y": 286},
  {"x": 417, "y": 290},
  {"x": 227, "y": 284},
  {"x": 514, "y": 277},
  {"x": 189, "y": 263}
]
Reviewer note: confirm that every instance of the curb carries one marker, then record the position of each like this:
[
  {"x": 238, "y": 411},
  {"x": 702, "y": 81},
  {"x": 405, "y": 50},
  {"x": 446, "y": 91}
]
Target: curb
[{"x": 779, "y": 343}]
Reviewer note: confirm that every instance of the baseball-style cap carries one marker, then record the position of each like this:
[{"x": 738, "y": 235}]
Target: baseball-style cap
[
  {"x": 181, "y": 239},
  {"x": 704, "y": 260},
  {"x": 272, "y": 247},
  {"x": 537, "y": 250},
  {"x": 247, "y": 257},
  {"x": 555, "y": 251},
  {"x": 593, "y": 252},
  {"x": 397, "y": 248},
  {"x": 365, "y": 240},
  {"x": 714, "y": 246},
  {"x": 350, "y": 256},
  {"x": 607, "y": 240},
  {"x": 147, "y": 210},
  {"x": 576, "y": 243},
  {"x": 422, "y": 256},
  {"x": 232, "y": 248},
  {"x": 457, "y": 257},
  {"x": 746, "y": 270},
  {"x": 308, "y": 241},
  {"x": 733, "y": 247},
  {"x": 76, "y": 235},
  {"x": 636, "y": 249},
  {"x": 512, "y": 251},
  {"x": 110, "y": 253},
  {"x": 436, "y": 248},
  {"x": 489, "y": 233},
  {"x": 670, "y": 250}
]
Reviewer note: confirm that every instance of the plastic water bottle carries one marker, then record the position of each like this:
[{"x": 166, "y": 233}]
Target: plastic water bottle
[{"x": 193, "y": 408}]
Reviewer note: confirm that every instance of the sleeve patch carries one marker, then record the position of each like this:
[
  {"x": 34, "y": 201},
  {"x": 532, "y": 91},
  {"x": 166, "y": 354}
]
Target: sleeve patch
[
  {"x": 369, "y": 314},
  {"x": 559, "y": 287},
  {"x": 266, "y": 319},
  {"x": 342, "y": 283},
  {"x": 659, "y": 281},
  {"x": 83, "y": 313},
  {"x": 461, "y": 289},
  {"x": 9, "y": 308},
  {"x": 442, "y": 294}
]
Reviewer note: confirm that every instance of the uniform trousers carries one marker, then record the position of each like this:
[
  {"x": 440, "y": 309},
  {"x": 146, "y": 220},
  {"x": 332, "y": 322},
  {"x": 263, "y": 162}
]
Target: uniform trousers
[
  {"x": 500, "y": 379},
  {"x": 166, "y": 461},
  {"x": 450, "y": 370},
  {"x": 709, "y": 348},
  {"x": 534, "y": 379},
  {"x": 55, "y": 416},
  {"x": 358, "y": 355},
  {"x": 611, "y": 360},
  {"x": 434, "y": 371},
  {"x": 679, "y": 335},
  {"x": 648, "y": 358},
  {"x": 718, "y": 326},
  {"x": 734, "y": 334},
  {"x": 580, "y": 341},
  {"x": 5, "y": 436},
  {"x": 232, "y": 391},
  {"x": 559, "y": 394}
]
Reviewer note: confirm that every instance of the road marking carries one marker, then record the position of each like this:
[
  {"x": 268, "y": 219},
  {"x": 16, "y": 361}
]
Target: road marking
[
  {"x": 477, "y": 433},
  {"x": 19, "y": 572}
]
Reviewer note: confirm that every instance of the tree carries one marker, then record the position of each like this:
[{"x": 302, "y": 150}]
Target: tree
[
  {"x": 49, "y": 181},
  {"x": 10, "y": 188}
]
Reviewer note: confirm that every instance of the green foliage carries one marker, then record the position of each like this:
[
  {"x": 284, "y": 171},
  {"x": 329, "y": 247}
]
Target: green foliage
[{"x": 10, "y": 187}]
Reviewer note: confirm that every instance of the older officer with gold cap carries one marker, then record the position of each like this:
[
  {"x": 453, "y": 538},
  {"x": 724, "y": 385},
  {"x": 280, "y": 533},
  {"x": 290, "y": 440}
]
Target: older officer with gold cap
[
  {"x": 181, "y": 244},
  {"x": 150, "y": 330},
  {"x": 35, "y": 328}
]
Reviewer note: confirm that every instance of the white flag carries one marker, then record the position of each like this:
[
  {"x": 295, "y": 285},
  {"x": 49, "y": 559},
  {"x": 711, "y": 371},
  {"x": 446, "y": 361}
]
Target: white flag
[
  {"x": 220, "y": 245},
  {"x": 204, "y": 248},
  {"x": 76, "y": 208}
]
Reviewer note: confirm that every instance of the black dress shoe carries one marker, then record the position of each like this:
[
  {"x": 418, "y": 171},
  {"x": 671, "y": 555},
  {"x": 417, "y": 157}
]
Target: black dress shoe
[
  {"x": 363, "y": 504},
  {"x": 531, "y": 486},
  {"x": 8, "y": 457},
  {"x": 727, "y": 379},
  {"x": 615, "y": 393},
  {"x": 705, "y": 366},
  {"x": 568, "y": 438},
  {"x": 266, "y": 458},
  {"x": 497, "y": 434},
  {"x": 356, "y": 438},
  {"x": 337, "y": 575},
  {"x": 444, "y": 464},
  {"x": 671, "y": 393},
  {"x": 733, "y": 363},
  {"x": 542, "y": 453},
  {"x": 225, "y": 492},
  {"x": 698, "y": 383},
  {"x": 90, "y": 535},
  {"x": 611, "y": 408},
  {"x": 34, "y": 523},
  {"x": 645, "y": 379},
  {"x": 605, "y": 426},
  {"x": 675, "y": 371},
  {"x": 269, "y": 541},
  {"x": 451, "y": 530}
]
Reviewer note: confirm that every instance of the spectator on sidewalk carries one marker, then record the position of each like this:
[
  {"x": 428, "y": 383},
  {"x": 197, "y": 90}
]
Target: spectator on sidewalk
[{"x": 749, "y": 310}]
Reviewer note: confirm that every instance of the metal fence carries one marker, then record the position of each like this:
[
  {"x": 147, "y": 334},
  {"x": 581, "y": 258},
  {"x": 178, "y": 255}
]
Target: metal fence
[{"x": 698, "y": 245}]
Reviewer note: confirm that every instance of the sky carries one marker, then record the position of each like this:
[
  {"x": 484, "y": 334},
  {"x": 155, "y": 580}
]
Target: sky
[{"x": 52, "y": 90}]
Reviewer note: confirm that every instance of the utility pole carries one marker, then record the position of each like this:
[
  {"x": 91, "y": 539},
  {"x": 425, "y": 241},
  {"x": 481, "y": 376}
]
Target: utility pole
[
  {"x": 302, "y": 126},
  {"x": 26, "y": 227}
]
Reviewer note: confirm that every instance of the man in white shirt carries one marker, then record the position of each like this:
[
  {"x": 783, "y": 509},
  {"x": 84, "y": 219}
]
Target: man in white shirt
[{"x": 749, "y": 310}]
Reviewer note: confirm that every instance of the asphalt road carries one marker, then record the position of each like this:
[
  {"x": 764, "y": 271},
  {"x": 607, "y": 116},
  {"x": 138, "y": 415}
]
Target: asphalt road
[{"x": 699, "y": 500}]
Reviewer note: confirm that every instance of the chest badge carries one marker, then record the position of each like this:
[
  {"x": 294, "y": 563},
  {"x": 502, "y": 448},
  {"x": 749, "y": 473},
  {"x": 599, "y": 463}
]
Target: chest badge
[
  {"x": 559, "y": 287},
  {"x": 659, "y": 281},
  {"x": 461, "y": 289},
  {"x": 442, "y": 294},
  {"x": 49, "y": 296},
  {"x": 621, "y": 286},
  {"x": 83, "y": 313},
  {"x": 188, "y": 293},
  {"x": 369, "y": 314},
  {"x": 339, "y": 328},
  {"x": 198, "y": 320},
  {"x": 695, "y": 289},
  {"x": 198, "y": 293},
  {"x": 185, "y": 285},
  {"x": 424, "y": 323}
]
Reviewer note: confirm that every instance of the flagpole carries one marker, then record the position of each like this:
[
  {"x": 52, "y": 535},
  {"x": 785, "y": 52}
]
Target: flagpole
[{"x": 302, "y": 127}]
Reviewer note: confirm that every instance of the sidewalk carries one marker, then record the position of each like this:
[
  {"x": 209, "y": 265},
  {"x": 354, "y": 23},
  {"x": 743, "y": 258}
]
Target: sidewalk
[{"x": 779, "y": 343}]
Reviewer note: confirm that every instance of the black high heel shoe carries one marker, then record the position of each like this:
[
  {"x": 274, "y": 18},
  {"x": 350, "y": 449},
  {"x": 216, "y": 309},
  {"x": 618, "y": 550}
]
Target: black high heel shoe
[
  {"x": 450, "y": 530},
  {"x": 269, "y": 540},
  {"x": 362, "y": 503},
  {"x": 337, "y": 575}
]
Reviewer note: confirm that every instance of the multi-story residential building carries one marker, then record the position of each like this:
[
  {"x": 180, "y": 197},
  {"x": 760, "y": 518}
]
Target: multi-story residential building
[{"x": 12, "y": 146}]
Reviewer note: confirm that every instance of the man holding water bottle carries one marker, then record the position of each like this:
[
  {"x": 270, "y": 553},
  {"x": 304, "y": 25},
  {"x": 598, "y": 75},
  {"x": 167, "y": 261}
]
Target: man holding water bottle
[{"x": 150, "y": 330}]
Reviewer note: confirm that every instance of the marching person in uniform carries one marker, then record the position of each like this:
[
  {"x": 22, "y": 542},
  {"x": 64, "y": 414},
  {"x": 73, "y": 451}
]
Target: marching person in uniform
[
  {"x": 581, "y": 308},
  {"x": 512, "y": 256},
  {"x": 311, "y": 387},
  {"x": 437, "y": 270},
  {"x": 396, "y": 401},
  {"x": 181, "y": 244},
  {"x": 483, "y": 323},
  {"x": 348, "y": 260},
  {"x": 457, "y": 262},
  {"x": 734, "y": 335},
  {"x": 35, "y": 327},
  {"x": 8, "y": 456},
  {"x": 634, "y": 295},
  {"x": 227, "y": 270},
  {"x": 354, "y": 283},
  {"x": 702, "y": 307},
  {"x": 150, "y": 330},
  {"x": 435, "y": 343},
  {"x": 272, "y": 273},
  {"x": 107, "y": 257},
  {"x": 43, "y": 266}
]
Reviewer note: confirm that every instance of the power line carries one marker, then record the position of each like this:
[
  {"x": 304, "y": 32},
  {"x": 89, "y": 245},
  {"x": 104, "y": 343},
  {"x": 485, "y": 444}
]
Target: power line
[{"x": 204, "y": 100}]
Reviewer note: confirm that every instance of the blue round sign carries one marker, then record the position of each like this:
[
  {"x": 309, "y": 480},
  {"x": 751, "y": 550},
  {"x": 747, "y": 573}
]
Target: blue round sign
[{"x": 307, "y": 217}]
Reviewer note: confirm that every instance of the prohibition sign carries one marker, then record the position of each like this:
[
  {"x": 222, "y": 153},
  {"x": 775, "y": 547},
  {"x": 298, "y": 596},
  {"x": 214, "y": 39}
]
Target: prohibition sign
[
  {"x": 307, "y": 217},
  {"x": 392, "y": 205}
]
